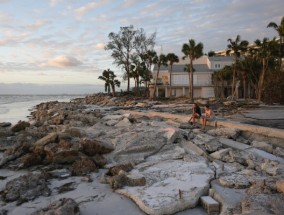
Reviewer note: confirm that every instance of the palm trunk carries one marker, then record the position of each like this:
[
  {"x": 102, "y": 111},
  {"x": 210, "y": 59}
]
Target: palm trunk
[
  {"x": 261, "y": 80},
  {"x": 191, "y": 81},
  {"x": 171, "y": 81},
  {"x": 234, "y": 74},
  {"x": 155, "y": 86},
  {"x": 113, "y": 90}
]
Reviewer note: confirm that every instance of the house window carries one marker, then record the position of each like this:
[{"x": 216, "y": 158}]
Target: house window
[{"x": 219, "y": 66}]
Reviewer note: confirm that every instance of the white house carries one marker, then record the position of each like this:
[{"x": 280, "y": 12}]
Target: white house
[{"x": 204, "y": 67}]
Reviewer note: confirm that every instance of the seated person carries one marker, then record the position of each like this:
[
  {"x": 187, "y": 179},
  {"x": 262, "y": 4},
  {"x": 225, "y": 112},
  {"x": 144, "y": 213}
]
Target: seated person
[
  {"x": 209, "y": 116},
  {"x": 196, "y": 113}
]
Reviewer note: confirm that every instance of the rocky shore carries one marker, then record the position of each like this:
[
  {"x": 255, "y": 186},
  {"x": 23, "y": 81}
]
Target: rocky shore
[{"x": 103, "y": 155}]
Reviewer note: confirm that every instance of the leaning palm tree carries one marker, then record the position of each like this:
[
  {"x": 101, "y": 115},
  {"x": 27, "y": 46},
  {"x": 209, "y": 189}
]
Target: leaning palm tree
[
  {"x": 280, "y": 30},
  {"x": 106, "y": 78},
  {"x": 160, "y": 61},
  {"x": 172, "y": 58},
  {"x": 110, "y": 82},
  {"x": 192, "y": 51},
  {"x": 238, "y": 46}
]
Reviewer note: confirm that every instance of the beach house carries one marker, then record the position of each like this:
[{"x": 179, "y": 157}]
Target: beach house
[{"x": 203, "y": 67}]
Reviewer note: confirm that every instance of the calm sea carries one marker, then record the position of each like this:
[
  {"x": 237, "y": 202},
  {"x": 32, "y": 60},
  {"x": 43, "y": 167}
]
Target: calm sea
[{"x": 18, "y": 107}]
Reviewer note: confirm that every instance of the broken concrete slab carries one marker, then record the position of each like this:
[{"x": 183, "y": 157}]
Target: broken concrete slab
[
  {"x": 171, "y": 186},
  {"x": 229, "y": 198},
  {"x": 264, "y": 155},
  {"x": 233, "y": 144}
]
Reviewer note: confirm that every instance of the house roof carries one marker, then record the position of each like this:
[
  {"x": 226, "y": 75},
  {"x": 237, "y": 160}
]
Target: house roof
[
  {"x": 180, "y": 68},
  {"x": 221, "y": 58}
]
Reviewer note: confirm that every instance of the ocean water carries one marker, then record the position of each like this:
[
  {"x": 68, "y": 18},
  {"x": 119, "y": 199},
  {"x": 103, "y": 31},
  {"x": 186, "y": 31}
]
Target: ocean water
[{"x": 18, "y": 107}]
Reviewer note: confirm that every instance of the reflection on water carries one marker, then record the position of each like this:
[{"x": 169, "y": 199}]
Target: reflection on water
[{"x": 14, "y": 108}]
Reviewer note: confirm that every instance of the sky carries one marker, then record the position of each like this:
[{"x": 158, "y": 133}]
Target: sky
[{"x": 56, "y": 45}]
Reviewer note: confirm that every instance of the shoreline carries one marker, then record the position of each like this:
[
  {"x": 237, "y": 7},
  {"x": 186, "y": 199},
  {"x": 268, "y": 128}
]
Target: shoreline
[{"x": 89, "y": 154}]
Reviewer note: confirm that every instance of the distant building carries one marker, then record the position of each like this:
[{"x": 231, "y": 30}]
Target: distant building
[{"x": 203, "y": 87}]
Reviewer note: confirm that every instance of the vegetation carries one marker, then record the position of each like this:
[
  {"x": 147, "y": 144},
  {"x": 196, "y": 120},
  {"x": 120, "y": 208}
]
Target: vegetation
[
  {"x": 108, "y": 77},
  {"x": 258, "y": 69},
  {"x": 192, "y": 51},
  {"x": 172, "y": 58},
  {"x": 236, "y": 46},
  {"x": 130, "y": 46},
  {"x": 160, "y": 60}
]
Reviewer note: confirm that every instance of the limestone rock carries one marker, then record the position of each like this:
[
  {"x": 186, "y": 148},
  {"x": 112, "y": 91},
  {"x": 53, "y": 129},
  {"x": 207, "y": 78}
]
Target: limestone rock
[
  {"x": 83, "y": 167},
  {"x": 171, "y": 186},
  {"x": 280, "y": 186},
  {"x": 92, "y": 146},
  {"x": 30, "y": 159},
  {"x": 26, "y": 188},
  {"x": 111, "y": 122},
  {"x": 123, "y": 123},
  {"x": 279, "y": 151},
  {"x": 65, "y": 206},
  {"x": 5, "y": 124},
  {"x": 202, "y": 138},
  {"x": 122, "y": 179},
  {"x": 99, "y": 160},
  {"x": 229, "y": 198},
  {"x": 39, "y": 145},
  {"x": 61, "y": 155},
  {"x": 271, "y": 167},
  {"x": 234, "y": 181},
  {"x": 114, "y": 170},
  {"x": 21, "y": 125},
  {"x": 262, "y": 145},
  {"x": 263, "y": 204},
  {"x": 221, "y": 153},
  {"x": 113, "y": 117},
  {"x": 229, "y": 133}
]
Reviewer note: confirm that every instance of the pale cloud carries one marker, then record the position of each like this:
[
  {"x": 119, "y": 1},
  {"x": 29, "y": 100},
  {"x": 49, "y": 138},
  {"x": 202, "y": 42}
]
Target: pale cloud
[
  {"x": 100, "y": 46},
  {"x": 129, "y": 3},
  {"x": 5, "y": 18},
  {"x": 63, "y": 61},
  {"x": 81, "y": 11},
  {"x": 37, "y": 24},
  {"x": 53, "y": 3}
]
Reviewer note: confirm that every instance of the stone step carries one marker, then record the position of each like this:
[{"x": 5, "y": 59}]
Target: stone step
[{"x": 210, "y": 205}]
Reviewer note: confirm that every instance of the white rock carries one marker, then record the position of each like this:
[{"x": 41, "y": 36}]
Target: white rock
[
  {"x": 262, "y": 145},
  {"x": 111, "y": 122},
  {"x": 113, "y": 117},
  {"x": 171, "y": 186},
  {"x": 219, "y": 154},
  {"x": 123, "y": 123},
  {"x": 224, "y": 132}
]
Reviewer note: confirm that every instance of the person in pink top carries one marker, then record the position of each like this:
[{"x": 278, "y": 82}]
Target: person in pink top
[{"x": 209, "y": 116}]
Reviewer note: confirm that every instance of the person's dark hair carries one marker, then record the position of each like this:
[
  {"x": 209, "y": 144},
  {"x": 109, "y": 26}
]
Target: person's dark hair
[{"x": 207, "y": 106}]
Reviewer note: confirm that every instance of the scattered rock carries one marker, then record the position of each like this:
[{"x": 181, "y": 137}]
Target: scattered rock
[
  {"x": 65, "y": 206},
  {"x": 262, "y": 145},
  {"x": 26, "y": 188},
  {"x": 21, "y": 125},
  {"x": 280, "y": 186},
  {"x": 221, "y": 153},
  {"x": 5, "y": 124},
  {"x": 83, "y": 167},
  {"x": 92, "y": 147},
  {"x": 234, "y": 181},
  {"x": 229, "y": 133}
]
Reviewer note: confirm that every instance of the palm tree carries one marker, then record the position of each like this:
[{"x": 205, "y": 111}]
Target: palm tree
[
  {"x": 110, "y": 82},
  {"x": 172, "y": 58},
  {"x": 280, "y": 31},
  {"x": 106, "y": 77},
  {"x": 265, "y": 50},
  {"x": 160, "y": 61},
  {"x": 192, "y": 51},
  {"x": 278, "y": 28},
  {"x": 238, "y": 46}
]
